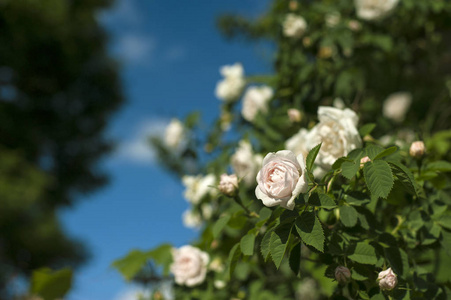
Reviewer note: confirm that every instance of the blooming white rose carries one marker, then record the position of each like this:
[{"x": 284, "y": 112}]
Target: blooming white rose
[
  {"x": 281, "y": 179},
  {"x": 246, "y": 163},
  {"x": 198, "y": 186},
  {"x": 294, "y": 26},
  {"x": 332, "y": 19},
  {"x": 387, "y": 279},
  {"x": 298, "y": 143},
  {"x": 189, "y": 265},
  {"x": 342, "y": 274},
  {"x": 255, "y": 99},
  {"x": 191, "y": 219},
  {"x": 338, "y": 133},
  {"x": 207, "y": 211},
  {"x": 397, "y": 105},
  {"x": 174, "y": 134},
  {"x": 374, "y": 9},
  {"x": 230, "y": 88},
  {"x": 228, "y": 184}
]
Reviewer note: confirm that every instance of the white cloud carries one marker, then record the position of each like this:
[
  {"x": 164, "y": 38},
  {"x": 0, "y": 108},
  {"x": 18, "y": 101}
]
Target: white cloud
[
  {"x": 134, "y": 48},
  {"x": 138, "y": 149}
]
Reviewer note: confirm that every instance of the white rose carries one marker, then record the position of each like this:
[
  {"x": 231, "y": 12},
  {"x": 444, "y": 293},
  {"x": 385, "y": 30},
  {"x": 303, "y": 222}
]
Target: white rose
[
  {"x": 230, "y": 88},
  {"x": 198, "y": 187},
  {"x": 174, "y": 134},
  {"x": 191, "y": 219},
  {"x": 189, "y": 265},
  {"x": 374, "y": 9},
  {"x": 246, "y": 163},
  {"x": 294, "y": 26},
  {"x": 338, "y": 133},
  {"x": 396, "y": 106},
  {"x": 387, "y": 279},
  {"x": 228, "y": 184},
  {"x": 332, "y": 19},
  {"x": 298, "y": 143},
  {"x": 255, "y": 99},
  {"x": 281, "y": 179}
]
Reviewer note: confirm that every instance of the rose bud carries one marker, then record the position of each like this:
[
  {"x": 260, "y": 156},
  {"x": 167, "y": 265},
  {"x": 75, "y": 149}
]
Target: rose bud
[
  {"x": 364, "y": 160},
  {"x": 342, "y": 274},
  {"x": 294, "y": 115},
  {"x": 228, "y": 184},
  {"x": 417, "y": 149},
  {"x": 387, "y": 280}
]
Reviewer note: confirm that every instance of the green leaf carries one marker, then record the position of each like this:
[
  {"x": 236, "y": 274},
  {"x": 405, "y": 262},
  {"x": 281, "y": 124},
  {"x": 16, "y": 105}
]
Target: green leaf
[
  {"x": 162, "y": 255},
  {"x": 339, "y": 162},
  {"x": 234, "y": 256},
  {"x": 50, "y": 284},
  {"x": 386, "y": 152},
  {"x": 441, "y": 166},
  {"x": 445, "y": 241},
  {"x": 366, "y": 129},
  {"x": 131, "y": 264},
  {"x": 279, "y": 242},
  {"x": 310, "y": 230},
  {"x": 373, "y": 150},
  {"x": 312, "y": 156},
  {"x": 363, "y": 253},
  {"x": 247, "y": 244},
  {"x": 349, "y": 169},
  {"x": 321, "y": 200},
  {"x": 219, "y": 225},
  {"x": 265, "y": 244},
  {"x": 348, "y": 216},
  {"x": 378, "y": 177},
  {"x": 405, "y": 177},
  {"x": 295, "y": 259},
  {"x": 445, "y": 221}
]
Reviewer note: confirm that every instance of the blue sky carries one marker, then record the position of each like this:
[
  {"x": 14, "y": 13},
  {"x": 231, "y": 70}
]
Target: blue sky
[{"x": 170, "y": 53}]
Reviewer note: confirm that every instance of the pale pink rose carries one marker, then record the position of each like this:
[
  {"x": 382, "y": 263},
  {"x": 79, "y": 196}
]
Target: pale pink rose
[
  {"x": 417, "y": 149},
  {"x": 374, "y": 9},
  {"x": 189, "y": 265},
  {"x": 294, "y": 26},
  {"x": 396, "y": 106},
  {"x": 255, "y": 100},
  {"x": 342, "y": 274},
  {"x": 228, "y": 184},
  {"x": 387, "y": 279},
  {"x": 281, "y": 179}
]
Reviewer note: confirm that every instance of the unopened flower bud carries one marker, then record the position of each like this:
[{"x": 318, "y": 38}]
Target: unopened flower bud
[
  {"x": 354, "y": 25},
  {"x": 364, "y": 160},
  {"x": 293, "y": 5},
  {"x": 342, "y": 274},
  {"x": 307, "y": 41},
  {"x": 294, "y": 115},
  {"x": 417, "y": 149},
  {"x": 387, "y": 280},
  {"x": 228, "y": 184}
]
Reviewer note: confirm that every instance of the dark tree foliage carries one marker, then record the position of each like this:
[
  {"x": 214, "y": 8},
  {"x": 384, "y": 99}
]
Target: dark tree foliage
[{"x": 58, "y": 90}]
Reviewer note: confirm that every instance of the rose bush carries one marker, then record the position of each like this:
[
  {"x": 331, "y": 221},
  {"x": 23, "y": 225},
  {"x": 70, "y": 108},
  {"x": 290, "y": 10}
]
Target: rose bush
[{"x": 338, "y": 198}]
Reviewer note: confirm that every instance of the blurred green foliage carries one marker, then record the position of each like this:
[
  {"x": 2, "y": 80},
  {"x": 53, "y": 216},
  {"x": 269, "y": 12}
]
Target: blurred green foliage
[{"x": 58, "y": 90}]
